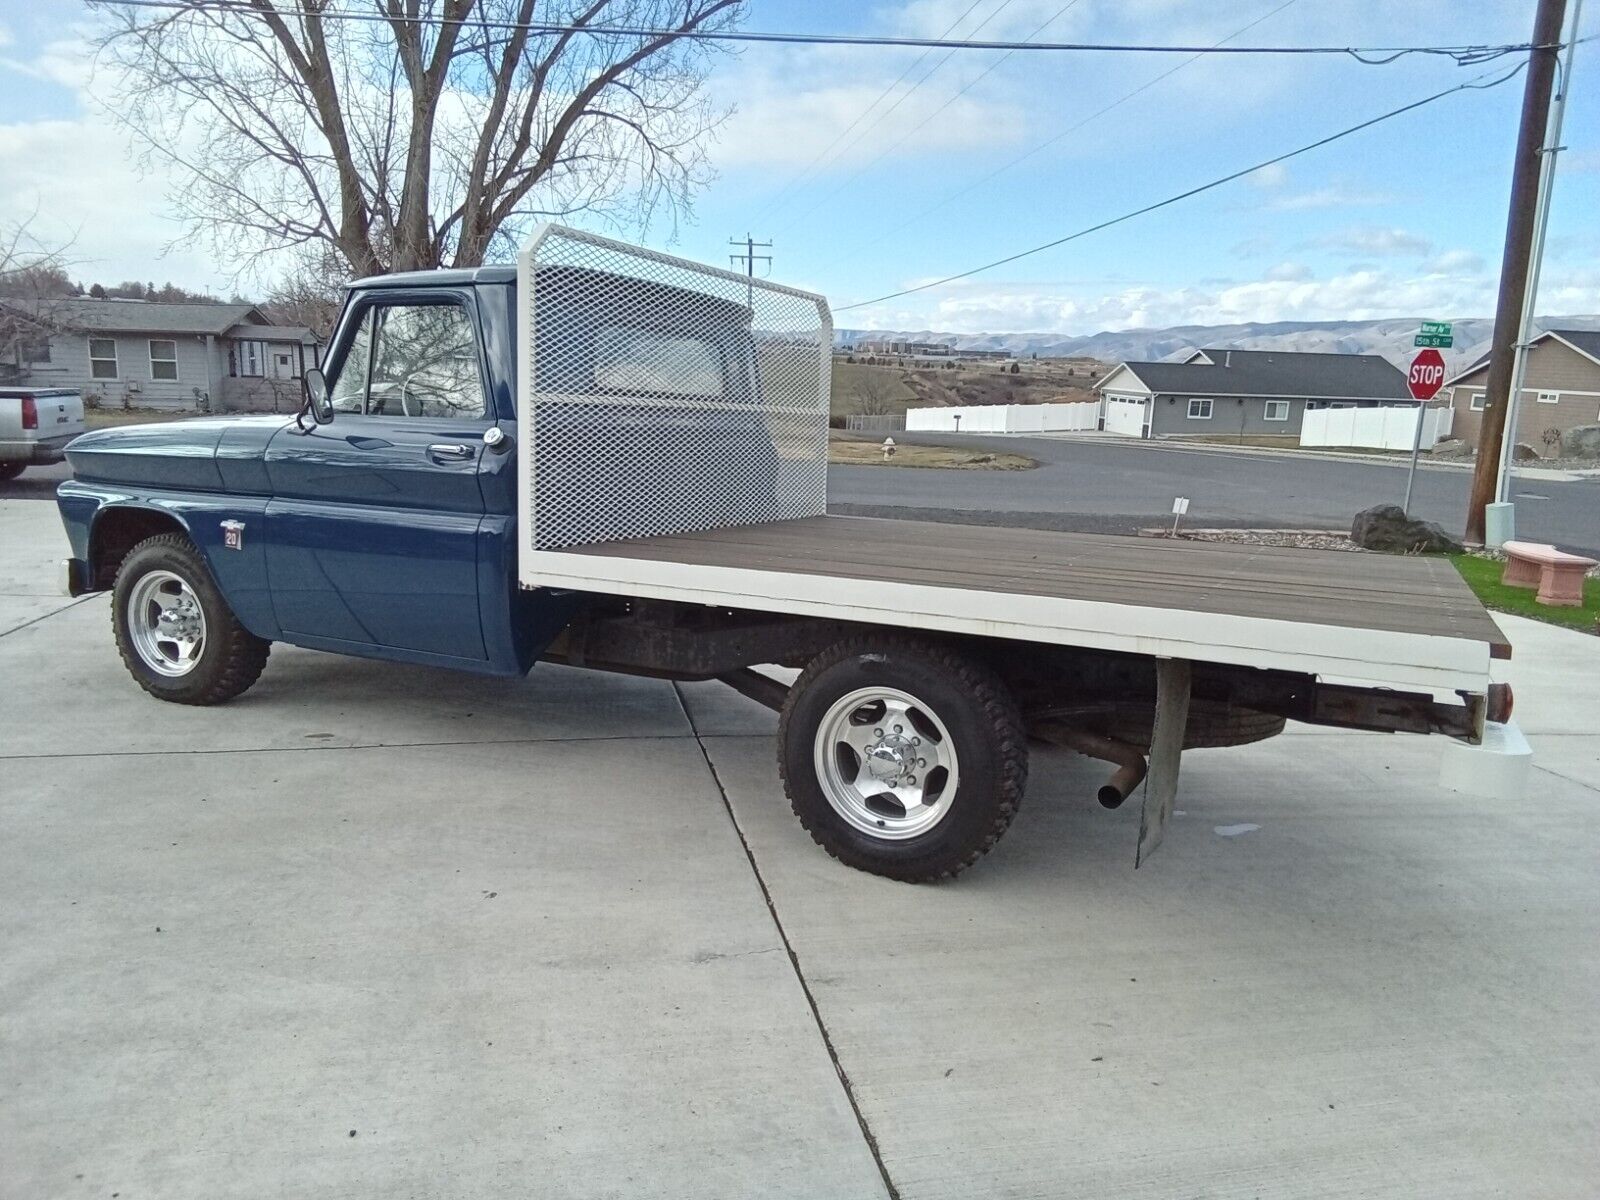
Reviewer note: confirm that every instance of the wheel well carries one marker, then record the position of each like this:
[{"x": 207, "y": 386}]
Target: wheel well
[{"x": 116, "y": 532}]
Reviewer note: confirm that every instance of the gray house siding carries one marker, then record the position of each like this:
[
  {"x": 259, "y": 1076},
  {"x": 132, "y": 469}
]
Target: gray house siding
[
  {"x": 1232, "y": 416},
  {"x": 134, "y": 384}
]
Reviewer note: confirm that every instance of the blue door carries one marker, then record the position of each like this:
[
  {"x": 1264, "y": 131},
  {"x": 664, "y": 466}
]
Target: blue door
[{"x": 372, "y": 529}]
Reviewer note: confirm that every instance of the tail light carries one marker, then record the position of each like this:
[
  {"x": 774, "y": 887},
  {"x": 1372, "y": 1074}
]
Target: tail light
[{"x": 30, "y": 413}]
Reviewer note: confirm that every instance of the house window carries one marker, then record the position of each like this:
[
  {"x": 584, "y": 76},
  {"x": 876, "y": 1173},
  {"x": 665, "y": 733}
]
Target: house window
[
  {"x": 1276, "y": 410},
  {"x": 1475, "y": 401},
  {"x": 1549, "y": 397},
  {"x": 102, "y": 358},
  {"x": 1200, "y": 410},
  {"x": 164, "y": 359},
  {"x": 251, "y": 356}
]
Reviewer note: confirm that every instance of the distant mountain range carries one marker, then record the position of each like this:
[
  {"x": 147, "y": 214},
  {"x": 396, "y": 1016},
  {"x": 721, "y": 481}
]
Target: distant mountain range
[{"x": 1390, "y": 338}]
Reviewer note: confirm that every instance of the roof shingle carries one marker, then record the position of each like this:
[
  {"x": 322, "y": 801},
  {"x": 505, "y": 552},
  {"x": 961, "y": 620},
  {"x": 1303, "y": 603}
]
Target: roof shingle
[
  {"x": 152, "y": 316},
  {"x": 1278, "y": 373}
]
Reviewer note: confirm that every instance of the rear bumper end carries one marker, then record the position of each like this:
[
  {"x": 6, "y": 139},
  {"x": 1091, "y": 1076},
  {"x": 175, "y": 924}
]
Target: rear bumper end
[{"x": 37, "y": 452}]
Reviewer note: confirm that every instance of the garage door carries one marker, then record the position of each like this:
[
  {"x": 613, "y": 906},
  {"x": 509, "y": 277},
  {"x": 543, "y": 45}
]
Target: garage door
[{"x": 1125, "y": 416}]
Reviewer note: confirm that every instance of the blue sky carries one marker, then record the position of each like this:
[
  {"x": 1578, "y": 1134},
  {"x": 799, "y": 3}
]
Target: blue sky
[{"x": 1406, "y": 219}]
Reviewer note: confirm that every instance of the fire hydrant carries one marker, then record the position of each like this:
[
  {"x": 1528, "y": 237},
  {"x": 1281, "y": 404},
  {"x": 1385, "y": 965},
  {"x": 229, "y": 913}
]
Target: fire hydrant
[{"x": 888, "y": 448}]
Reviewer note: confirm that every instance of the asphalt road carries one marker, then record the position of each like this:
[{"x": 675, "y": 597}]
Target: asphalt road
[
  {"x": 1103, "y": 486},
  {"x": 1116, "y": 487}
]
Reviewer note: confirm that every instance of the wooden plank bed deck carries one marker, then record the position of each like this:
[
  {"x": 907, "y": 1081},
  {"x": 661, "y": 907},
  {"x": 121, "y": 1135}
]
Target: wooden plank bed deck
[{"x": 1373, "y": 619}]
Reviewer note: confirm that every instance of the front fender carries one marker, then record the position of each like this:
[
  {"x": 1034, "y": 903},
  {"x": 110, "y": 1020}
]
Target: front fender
[{"x": 97, "y": 516}]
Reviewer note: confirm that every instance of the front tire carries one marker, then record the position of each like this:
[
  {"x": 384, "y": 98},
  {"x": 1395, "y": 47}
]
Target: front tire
[
  {"x": 177, "y": 636},
  {"x": 902, "y": 756}
]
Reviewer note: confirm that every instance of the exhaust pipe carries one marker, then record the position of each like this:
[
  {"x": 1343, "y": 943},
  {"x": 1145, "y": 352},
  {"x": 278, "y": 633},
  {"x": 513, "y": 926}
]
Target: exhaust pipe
[{"x": 1130, "y": 762}]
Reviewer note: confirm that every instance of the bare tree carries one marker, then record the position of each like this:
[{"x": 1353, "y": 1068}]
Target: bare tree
[
  {"x": 33, "y": 287},
  {"x": 311, "y": 294},
  {"x": 407, "y": 134},
  {"x": 874, "y": 394}
]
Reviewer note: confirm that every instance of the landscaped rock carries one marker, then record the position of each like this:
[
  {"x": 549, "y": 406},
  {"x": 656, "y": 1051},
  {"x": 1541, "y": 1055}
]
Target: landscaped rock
[
  {"x": 1385, "y": 527},
  {"x": 1451, "y": 448},
  {"x": 1522, "y": 452},
  {"x": 1582, "y": 441}
]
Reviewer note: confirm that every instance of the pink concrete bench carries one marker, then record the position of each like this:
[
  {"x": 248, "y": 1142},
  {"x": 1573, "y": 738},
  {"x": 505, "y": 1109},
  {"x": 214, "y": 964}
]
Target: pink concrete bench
[{"x": 1557, "y": 575}]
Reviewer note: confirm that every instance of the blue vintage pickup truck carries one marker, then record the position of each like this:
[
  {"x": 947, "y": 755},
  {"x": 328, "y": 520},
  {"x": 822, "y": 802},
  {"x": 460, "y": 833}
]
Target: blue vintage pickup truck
[{"x": 619, "y": 463}]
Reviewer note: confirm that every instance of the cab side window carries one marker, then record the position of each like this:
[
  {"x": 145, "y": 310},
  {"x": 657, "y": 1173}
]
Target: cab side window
[
  {"x": 412, "y": 360},
  {"x": 350, "y": 388}
]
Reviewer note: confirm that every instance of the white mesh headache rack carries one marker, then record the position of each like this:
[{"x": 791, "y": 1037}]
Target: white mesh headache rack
[{"x": 661, "y": 396}]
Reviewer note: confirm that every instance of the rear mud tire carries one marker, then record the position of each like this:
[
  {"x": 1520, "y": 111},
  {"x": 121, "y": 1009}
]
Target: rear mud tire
[{"x": 968, "y": 700}]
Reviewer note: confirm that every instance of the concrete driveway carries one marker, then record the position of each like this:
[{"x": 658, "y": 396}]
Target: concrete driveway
[{"x": 378, "y": 931}]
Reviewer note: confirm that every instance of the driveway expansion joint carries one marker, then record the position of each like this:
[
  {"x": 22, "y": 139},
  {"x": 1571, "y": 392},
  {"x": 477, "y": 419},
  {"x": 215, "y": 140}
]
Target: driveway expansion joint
[{"x": 794, "y": 959}]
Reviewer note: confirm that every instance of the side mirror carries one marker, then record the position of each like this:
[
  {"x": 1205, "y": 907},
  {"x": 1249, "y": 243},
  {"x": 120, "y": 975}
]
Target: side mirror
[{"x": 319, "y": 403}]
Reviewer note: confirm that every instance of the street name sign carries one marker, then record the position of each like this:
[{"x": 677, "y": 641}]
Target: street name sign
[{"x": 1435, "y": 335}]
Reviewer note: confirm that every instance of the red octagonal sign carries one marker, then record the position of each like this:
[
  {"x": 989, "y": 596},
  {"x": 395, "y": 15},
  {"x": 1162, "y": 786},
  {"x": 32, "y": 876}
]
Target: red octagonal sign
[{"x": 1427, "y": 375}]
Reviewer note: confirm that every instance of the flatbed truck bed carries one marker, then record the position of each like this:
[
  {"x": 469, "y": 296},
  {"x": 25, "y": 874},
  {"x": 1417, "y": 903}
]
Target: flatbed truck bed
[{"x": 1363, "y": 619}]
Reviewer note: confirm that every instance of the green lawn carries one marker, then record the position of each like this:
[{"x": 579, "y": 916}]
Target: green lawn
[{"x": 1483, "y": 577}]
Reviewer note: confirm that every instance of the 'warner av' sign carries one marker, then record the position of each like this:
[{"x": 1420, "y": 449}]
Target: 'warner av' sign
[{"x": 1435, "y": 334}]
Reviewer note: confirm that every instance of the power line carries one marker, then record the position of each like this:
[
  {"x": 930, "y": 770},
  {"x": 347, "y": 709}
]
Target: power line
[
  {"x": 866, "y": 112},
  {"x": 1094, "y": 116},
  {"x": 1471, "y": 85},
  {"x": 903, "y": 138},
  {"x": 1463, "y": 53}
]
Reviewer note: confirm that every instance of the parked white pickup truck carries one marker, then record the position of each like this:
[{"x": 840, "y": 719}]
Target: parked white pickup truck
[{"x": 35, "y": 426}]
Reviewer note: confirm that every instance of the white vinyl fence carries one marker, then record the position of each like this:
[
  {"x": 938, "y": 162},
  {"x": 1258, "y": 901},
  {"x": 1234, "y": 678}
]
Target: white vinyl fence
[
  {"x": 1006, "y": 418},
  {"x": 1375, "y": 428}
]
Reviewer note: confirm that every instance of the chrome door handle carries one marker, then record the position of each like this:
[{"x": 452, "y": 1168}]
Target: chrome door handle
[{"x": 450, "y": 450}]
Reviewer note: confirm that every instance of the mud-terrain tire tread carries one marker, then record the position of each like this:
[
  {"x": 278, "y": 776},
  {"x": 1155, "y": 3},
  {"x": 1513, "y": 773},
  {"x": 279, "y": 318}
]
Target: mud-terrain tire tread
[
  {"x": 233, "y": 658},
  {"x": 998, "y": 721}
]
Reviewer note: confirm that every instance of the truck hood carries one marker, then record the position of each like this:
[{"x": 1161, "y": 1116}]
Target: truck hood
[{"x": 172, "y": 454}]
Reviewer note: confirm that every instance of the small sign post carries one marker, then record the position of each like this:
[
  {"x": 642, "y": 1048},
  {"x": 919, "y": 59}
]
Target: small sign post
[
  {"x": 1180, "y": 505},
  {"x": 1424, "y": 380}
]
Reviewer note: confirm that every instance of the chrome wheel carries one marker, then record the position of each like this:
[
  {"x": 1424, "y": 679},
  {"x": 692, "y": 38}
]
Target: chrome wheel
[
  {"x": 886, "y": 763},
  {"x": 166, "y": 624}
]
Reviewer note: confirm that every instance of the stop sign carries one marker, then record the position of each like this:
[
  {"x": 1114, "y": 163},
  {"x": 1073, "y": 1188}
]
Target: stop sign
[{"x": 1427, "y": 375}]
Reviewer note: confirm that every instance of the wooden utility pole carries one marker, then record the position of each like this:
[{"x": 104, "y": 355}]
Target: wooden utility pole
[
  {"x": 1520, "y": 220},
  {"x": 749, "y": 258}
]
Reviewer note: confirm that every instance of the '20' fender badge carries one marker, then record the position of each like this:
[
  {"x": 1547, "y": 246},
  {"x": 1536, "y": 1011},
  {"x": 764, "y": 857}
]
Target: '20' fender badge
[{"x": 233, "y": 535}]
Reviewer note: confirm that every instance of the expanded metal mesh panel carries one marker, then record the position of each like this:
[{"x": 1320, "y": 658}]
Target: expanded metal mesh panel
[{"x": 662, "y": 396}]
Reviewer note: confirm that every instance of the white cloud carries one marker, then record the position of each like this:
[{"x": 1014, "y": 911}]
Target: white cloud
[
  {"x": 1455, "y": 262},
  {"x": 1284, "y": 293},
  {"x": 77, "y": 181},
  {"x": 1289, "y": 272},
  {"x": 1370, "y": 241},
  {"x": 1273, "y": 176},
  {"x": 1333, "y": 196},
  {"x": 777, "y": 124}
]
